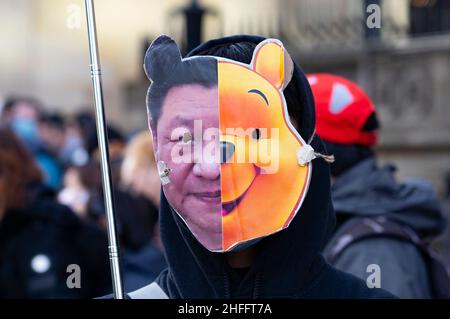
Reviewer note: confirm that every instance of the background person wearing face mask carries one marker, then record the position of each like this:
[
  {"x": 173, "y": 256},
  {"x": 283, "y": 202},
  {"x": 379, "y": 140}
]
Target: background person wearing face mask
[
  {"x": 22, "y": 116},
  {"x": 287, "y": 264},
  {"x": 37, "y": 131},
  {"x": 372, "y": 208}
]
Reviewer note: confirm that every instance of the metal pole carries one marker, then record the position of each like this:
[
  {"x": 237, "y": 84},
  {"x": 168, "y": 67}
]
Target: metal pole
[{"x": 102, "y": 137}]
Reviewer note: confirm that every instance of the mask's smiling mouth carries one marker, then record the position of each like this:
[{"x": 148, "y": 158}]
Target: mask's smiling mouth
[{"x": 228, "y": 207}]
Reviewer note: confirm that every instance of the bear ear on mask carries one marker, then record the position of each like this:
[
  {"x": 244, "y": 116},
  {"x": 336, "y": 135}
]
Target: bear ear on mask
[
  {"x": 162, "y": 59},
  {"x": 273, "y": 62}
]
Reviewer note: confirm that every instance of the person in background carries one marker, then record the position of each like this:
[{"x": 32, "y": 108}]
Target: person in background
[
  {"x": 90, "y": 173},
  {"x": 52, "y": 132},
  {"x": 74, "y": 152},
  {"x": 74, "y": 193},
  {"x": 139, "y": 189},
  {"x": 83, "y": 123},
  {"x": 380, "y": 221},
  {"x": 139, "y": 173},
  {"x": 40, "y": 238},
  {"x": 136, "y": 214},
  {"x": 52, "y": 139},
  {"x": 75, "y": 157},
  {"x": 24, "y": 116}
]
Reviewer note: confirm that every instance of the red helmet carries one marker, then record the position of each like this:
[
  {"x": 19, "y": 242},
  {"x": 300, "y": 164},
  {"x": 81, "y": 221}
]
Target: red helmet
[{"x": 342, "y": 110}]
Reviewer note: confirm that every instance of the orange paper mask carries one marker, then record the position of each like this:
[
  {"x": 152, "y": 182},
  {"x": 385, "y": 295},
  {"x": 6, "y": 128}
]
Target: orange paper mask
[{"x": 246, "y": 182}]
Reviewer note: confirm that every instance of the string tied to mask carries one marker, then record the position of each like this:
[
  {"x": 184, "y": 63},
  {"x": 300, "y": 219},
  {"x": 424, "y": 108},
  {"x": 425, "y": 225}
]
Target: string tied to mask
[{"x": 306, "y": 154}]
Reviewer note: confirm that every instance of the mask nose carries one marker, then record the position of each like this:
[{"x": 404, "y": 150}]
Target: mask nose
[{"x": 226, "y": 151}]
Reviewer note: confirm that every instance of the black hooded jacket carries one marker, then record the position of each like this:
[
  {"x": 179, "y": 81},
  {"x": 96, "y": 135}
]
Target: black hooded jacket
[
  {"x": 288, "y": 264},
  {"x": 47, "y": 231}
]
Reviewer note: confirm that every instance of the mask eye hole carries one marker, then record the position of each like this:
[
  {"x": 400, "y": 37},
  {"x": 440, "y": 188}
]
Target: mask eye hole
[
  {"x": 187, "y": 137},
  {"x": 256, "y": 134}
]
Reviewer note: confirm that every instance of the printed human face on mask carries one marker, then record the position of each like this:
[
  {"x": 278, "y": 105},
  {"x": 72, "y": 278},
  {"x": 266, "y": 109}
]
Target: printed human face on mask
[{"x": 225, "y": 148}]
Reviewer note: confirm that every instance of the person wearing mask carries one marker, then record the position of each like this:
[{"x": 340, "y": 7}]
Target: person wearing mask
[
  {"x": 25, "y": 117},
  {"x": 240, "y": 228}
]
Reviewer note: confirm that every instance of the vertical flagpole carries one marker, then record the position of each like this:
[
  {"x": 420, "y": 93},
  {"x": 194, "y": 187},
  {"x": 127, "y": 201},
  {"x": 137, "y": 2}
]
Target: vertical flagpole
[{"x": 102, "y": 137}]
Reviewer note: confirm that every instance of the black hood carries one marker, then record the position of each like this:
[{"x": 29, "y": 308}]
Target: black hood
[
  {"x": 370, "y": 190},
  {"x": 287, "y": 262}
]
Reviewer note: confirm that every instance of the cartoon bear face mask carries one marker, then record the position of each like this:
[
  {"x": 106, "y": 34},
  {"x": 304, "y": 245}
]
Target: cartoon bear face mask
[{"x": 231, "y": 164}]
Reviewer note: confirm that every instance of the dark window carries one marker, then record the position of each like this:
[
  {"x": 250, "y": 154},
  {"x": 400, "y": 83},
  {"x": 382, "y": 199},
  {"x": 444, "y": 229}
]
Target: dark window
[{"x": 429, "y": 16}]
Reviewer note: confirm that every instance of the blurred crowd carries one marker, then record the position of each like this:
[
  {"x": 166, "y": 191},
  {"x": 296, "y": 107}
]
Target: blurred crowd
[{"x": 52, "y": 212}]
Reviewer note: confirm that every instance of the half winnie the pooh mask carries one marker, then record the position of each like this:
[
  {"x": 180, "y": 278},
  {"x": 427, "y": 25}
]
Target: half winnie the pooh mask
[{"x": 232, "y": 165}]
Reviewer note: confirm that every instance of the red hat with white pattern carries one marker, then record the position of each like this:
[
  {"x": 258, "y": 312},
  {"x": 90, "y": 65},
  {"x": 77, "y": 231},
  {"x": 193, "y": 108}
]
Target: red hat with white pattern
[{"x": 343, "y": 111}]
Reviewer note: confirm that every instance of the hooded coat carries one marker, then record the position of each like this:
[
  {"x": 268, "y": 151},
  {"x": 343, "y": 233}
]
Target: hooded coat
[
  {"x": 288, "y": 263},
  {"x": 367, "y": 190}
]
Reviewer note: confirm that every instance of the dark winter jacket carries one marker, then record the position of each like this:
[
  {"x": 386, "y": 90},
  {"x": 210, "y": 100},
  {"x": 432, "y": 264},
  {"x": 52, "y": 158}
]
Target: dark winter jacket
[
  {"x": 367, "y": 190},
  {"x": 40, "y": 241}
]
